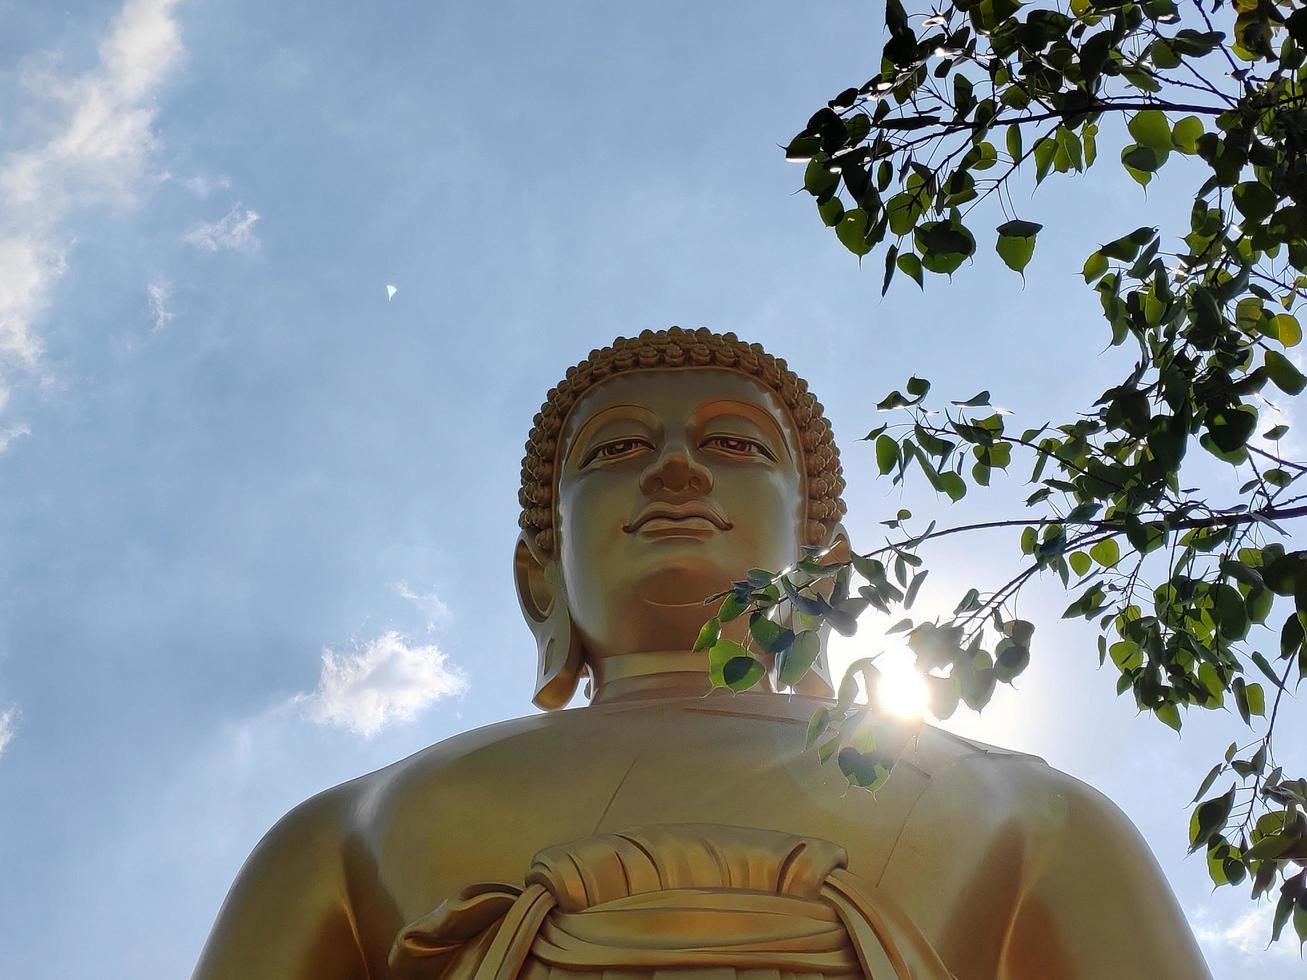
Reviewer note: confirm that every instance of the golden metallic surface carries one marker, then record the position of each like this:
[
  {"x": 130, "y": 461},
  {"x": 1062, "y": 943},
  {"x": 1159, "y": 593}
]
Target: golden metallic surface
[{"x": 666, "y": 830}]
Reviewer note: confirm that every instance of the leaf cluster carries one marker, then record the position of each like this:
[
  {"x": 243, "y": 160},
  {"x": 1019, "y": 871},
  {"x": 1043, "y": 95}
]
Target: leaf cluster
[{"x": 1200, "y": 605}]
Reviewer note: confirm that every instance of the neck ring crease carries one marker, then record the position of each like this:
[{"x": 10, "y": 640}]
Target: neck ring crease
[{"x": 648, "y": 675}]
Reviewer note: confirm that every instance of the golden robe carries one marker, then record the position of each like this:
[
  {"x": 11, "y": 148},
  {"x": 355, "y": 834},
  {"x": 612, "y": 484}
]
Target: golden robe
[{"x": 665, "y": 901}]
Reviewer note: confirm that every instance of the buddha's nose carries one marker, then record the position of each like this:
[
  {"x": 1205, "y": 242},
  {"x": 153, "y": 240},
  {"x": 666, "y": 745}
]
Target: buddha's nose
[{"x": 675, "y": 473}]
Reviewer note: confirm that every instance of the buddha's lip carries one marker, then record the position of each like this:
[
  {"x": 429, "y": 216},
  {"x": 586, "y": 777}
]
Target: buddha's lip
[{"x": 678, "y": 512}]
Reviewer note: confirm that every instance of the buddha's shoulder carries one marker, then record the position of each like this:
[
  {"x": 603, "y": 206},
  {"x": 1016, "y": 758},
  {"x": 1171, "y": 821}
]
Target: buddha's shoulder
[
  {"x": 597, "y": 746},
  {"x": 987, "y": 786}
]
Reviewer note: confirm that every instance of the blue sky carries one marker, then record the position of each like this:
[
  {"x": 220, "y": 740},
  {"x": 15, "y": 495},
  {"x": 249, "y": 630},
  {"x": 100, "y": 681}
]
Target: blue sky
[{"x": 258, "y": 518}]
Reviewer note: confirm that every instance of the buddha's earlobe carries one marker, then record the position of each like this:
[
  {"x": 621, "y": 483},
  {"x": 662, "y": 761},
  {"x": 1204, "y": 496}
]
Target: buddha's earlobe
[
  {"x": 817, "y": 682},
  {"x": 544, "y": 606}
]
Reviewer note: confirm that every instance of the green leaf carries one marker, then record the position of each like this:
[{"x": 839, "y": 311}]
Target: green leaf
[
  {"x": 1126, "y": 655},
  {"x": 1016, "y": 243},
  {"x": 818, "y": 724},
  {"x": 904, "y": 209},
  {"x": 943, "y": 245},
  {"x": 1013, "y": 139},
  {"x": 1207, "y": 781},
  {"x": 1185, "y": 134},
  {"x": 1287, "y": 329},
  {"x": 865, "y": 769},
  {"x": 1256, "y": 699},
  {"x": 852, "y": 232},
  {"x": 1080, "y": 562},
  {"x": 1209, "y": 819},
  {"x": 831, "y": 212},
  {"x": 1029, "y": 538},
  {"x": 732, "y": 606},
  {"x": 1240, "y": 690},
  {"x": 911, "y": 595},
  {"x": 953, "y": 485},
  {"x": 1231, "y": 613},
  {"x": 1254, "y": 200},
  {"x": 719, "y": 655},
  {"x": 1011, "y": 659},
  {"x": 1044, "y": 150},
  {"x": 800, "y": 657},
  {"x": 1150, "y": 128},
  {"x": 1284, "y": 374},
  {"x": 1231, "y": 429},
  {"x": 887, "y": 454},
  {"x": 742, "y": 673},
  {"x": 1143, "y": 161},
  {"x": 1107, "y": 553},
  {"x": 769, "y": 634},
  {"x": 911, "y": 266},
  {"x": 1168, "y": 715},
  {"x": 817, "y": 179},
  {"x": 1019, "y": 229},
  {"x": 1095, "y": 266},
  {"x": 708, "y": 634}
]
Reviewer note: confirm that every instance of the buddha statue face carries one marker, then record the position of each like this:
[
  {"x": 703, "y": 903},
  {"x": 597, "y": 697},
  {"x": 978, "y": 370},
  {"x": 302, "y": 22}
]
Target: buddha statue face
[
  {"x": 665, "y": 484},
  {"x": 673, "y": 484}
]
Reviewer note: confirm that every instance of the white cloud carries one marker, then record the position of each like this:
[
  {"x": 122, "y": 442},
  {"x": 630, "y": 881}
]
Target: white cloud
[
  {"x": 11, "y": 432},
  {"x": 1248, "y": 934},
  {"x": 8, "y": 726},
  {"x": 159, "y": 293},
  {"x": 431, "y": 605},
  {"x": 387, "y": 680},
  {"x": 234, "y": 231},
  {"x": 96, "y": 151},
  {"x": 202, "y": 186}
]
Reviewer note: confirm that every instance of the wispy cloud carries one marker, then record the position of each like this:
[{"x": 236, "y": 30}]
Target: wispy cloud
[
  {"x": 234, "y": 231},
  {"x": 159, "y": 293},
  {"x": 1249, "y": 934},
  {"x": 96, "y": 151},
  {"x": 386, "y": 680},
  {"x": 430, "y": 604},
  {"x": 202, "y": 186},
  {"x": 11, "y": 432},
  {"x": 8, "y": 726}
]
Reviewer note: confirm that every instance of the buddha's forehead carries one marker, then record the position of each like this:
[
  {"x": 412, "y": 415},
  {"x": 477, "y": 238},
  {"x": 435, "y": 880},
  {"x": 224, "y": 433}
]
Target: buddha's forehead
[{"x": 680, "y": 396}]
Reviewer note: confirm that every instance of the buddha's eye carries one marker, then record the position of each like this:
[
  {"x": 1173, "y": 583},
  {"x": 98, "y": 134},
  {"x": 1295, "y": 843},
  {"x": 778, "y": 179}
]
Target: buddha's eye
[
  {"x": 738, "y": 446},
  {"x": 617, "y": 449}
]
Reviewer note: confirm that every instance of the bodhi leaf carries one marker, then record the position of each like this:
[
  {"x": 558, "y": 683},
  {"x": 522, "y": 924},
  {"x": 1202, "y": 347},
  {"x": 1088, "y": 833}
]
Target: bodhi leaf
[
  {"x": 1186, "y": 133},
  {"x": 799, "y": 658},
  {"x": 708, "y": 634},
  {"x": 1254, "y": 200},
  {"x": 887, "y": 453},
  {"x": 1283, "y": 372},
  {"x": 943, "y": 245},
  {"x": 1151, "y": 129},
  {"x": 852, "y": 232},
  {"x": 1016, "y": 243},
  {"x": 742, "y": 673},
  {"x": 1107, "y": 553},
  {"x": 722, "y": 653}
]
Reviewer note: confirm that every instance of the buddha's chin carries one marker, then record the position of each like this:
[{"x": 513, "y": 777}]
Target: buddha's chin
[{"x": 687, "y": 580}]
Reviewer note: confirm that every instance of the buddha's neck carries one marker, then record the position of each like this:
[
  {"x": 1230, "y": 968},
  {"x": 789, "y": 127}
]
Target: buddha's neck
[{"x": 653, "y": 674}]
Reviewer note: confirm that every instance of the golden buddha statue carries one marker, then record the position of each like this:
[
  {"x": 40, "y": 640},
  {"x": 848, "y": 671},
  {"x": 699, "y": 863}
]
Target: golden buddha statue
[{"x": 668, "y": 829}]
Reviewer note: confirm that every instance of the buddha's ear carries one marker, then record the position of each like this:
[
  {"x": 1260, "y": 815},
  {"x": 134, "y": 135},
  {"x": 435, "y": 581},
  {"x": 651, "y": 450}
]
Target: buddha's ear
[
  {"x": 817, "y": 682},
  {"x": 543, "y": 600}
]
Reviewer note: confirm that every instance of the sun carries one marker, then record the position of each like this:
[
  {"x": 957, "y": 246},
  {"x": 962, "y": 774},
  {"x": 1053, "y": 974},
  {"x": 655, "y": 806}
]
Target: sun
[{"x": 901, "y": 691}]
